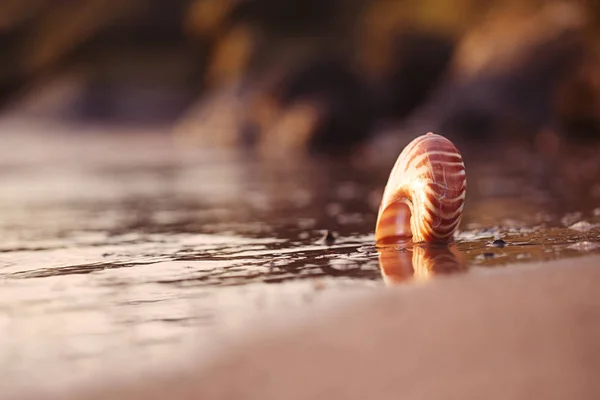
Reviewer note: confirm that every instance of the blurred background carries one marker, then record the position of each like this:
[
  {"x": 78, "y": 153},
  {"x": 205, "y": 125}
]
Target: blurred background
[{"x": 325, "y": 76}]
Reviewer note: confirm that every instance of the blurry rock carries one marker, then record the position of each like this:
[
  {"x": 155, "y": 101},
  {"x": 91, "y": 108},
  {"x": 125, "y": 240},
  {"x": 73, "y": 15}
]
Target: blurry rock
[
  {"x": 320, "y": 75},
  {"x": 508, "y": 32},
  {"x": 291, "y": 128},
  {"x": 231, "y": 55},
  {"x": 403, "y": 51},
  {"x": 14, "y": 13},
  {"x": 14, "y": 18},
  {"x": 320, "y": 105},
  {"x": 214, "y": 120},
  {"x": 132, "y": 86},
  {"x": 64, "y": 26},
  {"x": 298, "y": 94},
  {"x": 418, "y": 63},
  {"x": 124, "y": 55},
  {"x": 205, "y": 18},
  {"x": 36, "y": 37},
  {"x": 506, "y": 72},
  {"x": 415, "y": 64},
  {"x": 290, "y": 17},
  {"x": 578, "y": 99},
  {"x": 382, "y": 21}
]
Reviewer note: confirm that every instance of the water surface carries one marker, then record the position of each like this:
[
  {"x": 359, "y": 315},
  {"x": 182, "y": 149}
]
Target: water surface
[{"x": 116, "y": 249}]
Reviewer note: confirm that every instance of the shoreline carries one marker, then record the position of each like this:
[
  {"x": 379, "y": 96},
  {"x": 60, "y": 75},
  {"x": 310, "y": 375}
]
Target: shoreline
[{"x": 525, "y": 330}]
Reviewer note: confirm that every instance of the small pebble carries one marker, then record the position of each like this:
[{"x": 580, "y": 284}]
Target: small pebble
[
  {"x": 499, "y": 243},
  {"x": 582, "y": 226},
  {"x": 488, "y": 255},
  {"x": 329, "y": 238}
]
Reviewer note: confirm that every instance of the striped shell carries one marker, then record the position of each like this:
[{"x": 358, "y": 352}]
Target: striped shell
[{"x": 425, "y": 194}]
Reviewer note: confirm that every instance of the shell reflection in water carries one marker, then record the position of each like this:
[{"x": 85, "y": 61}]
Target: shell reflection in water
[{"x": 419, "y": 262}]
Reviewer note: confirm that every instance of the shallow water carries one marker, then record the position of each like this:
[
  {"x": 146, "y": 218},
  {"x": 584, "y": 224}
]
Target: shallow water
[{"x": 117, "y": 249}]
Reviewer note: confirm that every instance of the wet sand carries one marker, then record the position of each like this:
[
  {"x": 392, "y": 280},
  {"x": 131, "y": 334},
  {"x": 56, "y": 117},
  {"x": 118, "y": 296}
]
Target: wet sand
[
  {"x": 530, "y": 331},
  {"x": 120, "y": 252}
]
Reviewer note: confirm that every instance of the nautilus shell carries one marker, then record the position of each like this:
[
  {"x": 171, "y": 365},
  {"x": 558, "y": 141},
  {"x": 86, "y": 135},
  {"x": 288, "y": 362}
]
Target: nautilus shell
[{"x": 425, "y": 194}]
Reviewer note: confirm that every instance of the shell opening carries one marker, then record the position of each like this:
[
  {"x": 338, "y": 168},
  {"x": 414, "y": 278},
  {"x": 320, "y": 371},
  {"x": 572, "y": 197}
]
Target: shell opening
[{"x": 394, "y": 224}]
